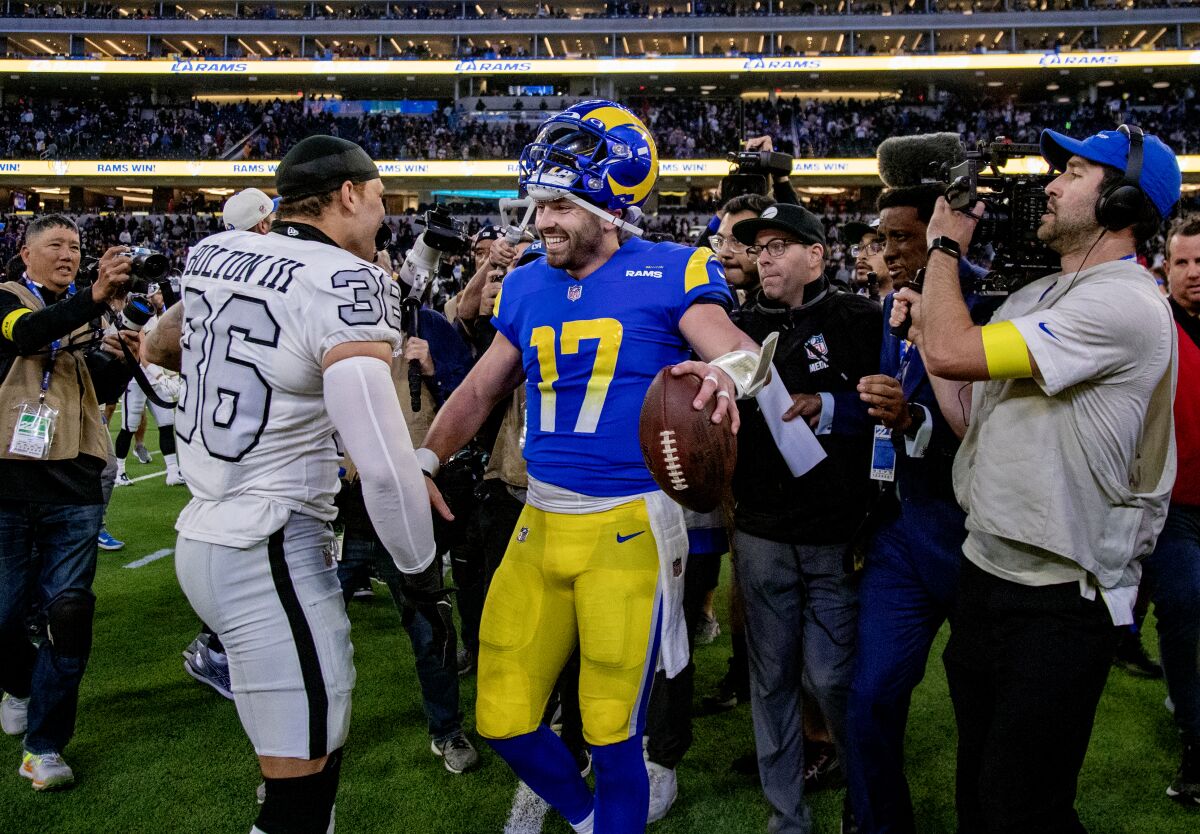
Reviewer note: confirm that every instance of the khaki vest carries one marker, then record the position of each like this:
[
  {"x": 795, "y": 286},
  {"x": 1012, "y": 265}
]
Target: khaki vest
[
  {"x": 78, "y": 429},
  {"x": 418, "y": 422},
  {"x": 508, "y": 457}
]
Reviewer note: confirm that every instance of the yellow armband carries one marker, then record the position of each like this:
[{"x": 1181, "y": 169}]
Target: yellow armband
[
  {"x": 1006, "y": 352},
  {"x": 6, "y": 327}
]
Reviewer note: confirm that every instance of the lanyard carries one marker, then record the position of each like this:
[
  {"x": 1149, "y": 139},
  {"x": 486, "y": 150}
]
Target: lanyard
[{"x": 54, "y": 346}]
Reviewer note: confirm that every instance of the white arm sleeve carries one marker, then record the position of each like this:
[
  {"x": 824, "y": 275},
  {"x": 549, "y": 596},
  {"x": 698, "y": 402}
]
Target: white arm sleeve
[{"x": 362, "y": 404}]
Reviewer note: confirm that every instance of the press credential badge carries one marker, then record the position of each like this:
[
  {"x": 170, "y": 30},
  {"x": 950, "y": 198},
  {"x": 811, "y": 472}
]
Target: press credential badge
[{"x": 34, "y": 431}]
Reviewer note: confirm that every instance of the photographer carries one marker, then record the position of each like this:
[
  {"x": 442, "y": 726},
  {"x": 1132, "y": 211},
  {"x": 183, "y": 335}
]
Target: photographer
[
  {"x": 55, "y": 375},
  {"x": 1064, "y": 471}
]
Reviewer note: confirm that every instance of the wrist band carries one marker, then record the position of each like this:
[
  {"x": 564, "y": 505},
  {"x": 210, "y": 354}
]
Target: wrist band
[{"x": 428, "y": 461}]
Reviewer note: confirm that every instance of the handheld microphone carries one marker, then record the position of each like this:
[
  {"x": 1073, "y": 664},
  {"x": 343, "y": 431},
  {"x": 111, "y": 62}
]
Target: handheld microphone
[{"x": 900, "y": 331}]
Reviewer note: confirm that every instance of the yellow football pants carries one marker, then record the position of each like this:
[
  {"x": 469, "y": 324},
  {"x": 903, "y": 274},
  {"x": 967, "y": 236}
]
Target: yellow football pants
[{"x": 589, "y": 578}]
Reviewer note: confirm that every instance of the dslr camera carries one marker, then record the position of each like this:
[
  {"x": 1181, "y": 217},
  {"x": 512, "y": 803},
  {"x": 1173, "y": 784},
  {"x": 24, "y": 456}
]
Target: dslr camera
[
  {"x": 1013, "y": 205},
  {"x": 751, "y": 172},
  {"x": 146, "y": 267}
]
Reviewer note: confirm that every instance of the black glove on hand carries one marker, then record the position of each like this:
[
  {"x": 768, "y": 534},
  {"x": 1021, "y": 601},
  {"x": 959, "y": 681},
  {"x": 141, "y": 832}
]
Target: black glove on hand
[{"x": 424, "y": 591}]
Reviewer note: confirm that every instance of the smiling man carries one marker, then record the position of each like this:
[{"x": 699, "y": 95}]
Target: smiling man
[
  {"x": 597, "y": 557},
  {"x": 1064, "y": 471}
]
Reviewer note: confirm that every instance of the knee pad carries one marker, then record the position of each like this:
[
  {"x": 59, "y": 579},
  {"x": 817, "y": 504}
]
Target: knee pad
[
  {"x": 69, "y": 623},
  {"x": 302, "y": 804}
]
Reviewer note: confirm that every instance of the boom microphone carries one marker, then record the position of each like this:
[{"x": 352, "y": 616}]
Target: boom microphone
[{"x": 911, "y": 160}]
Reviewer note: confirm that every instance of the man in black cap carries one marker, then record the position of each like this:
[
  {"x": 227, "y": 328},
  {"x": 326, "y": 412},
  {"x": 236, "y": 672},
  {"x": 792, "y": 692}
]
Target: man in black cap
[
  {"x": 792, "y": 534},
  {"x": 287, "y": 338},
  {"x": 866, "y": 247}
]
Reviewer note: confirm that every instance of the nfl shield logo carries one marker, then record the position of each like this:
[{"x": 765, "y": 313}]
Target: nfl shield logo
[
  {"x": 524, "y": 534},
  {"x": 574, "y": 292}
]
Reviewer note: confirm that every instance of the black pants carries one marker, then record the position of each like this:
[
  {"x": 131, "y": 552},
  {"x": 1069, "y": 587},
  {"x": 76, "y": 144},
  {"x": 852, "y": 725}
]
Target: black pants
[
  {"x": 669, "y": 718},
  {"x": 1025, "y": 666}
]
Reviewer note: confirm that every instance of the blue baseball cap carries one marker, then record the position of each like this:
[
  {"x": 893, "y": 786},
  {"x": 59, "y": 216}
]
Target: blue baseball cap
[
  {"x": 535, "y": 250},
  {"x": 1160, "y": 179}
]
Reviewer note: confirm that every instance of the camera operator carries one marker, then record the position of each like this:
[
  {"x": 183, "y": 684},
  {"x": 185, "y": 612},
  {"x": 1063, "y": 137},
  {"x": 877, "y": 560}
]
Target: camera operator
[
  {"x": 1173, "y": 570},
  {"x": 1064, "y": 471},
  {"x": 741, "y": 271},
  {"x": 51, "y": 506}
]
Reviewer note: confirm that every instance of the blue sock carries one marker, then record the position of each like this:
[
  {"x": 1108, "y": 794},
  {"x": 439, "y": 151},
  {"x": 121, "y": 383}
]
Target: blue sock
[
  {"x": 622, "y": 787},
  {"x": 543, "y": 762}
]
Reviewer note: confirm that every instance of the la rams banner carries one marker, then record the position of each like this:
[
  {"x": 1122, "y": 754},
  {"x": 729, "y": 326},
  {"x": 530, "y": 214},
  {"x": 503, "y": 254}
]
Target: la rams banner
[
  {"x": 611, "y": 66},
  {"x": 447, "y": 169}
]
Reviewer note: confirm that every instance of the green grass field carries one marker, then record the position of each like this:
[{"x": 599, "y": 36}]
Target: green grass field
[{"x": 157, "y": 752}]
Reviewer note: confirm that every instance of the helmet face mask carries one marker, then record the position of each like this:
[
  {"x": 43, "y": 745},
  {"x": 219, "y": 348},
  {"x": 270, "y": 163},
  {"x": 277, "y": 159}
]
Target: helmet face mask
[{"x": 596, "y": 151}]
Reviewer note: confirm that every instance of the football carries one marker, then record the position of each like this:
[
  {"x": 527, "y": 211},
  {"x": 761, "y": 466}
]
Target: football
[{"x": 690, "y": 457}]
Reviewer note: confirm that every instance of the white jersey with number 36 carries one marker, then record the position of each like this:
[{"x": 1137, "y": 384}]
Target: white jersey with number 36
[{"x": 260, "y": 313}]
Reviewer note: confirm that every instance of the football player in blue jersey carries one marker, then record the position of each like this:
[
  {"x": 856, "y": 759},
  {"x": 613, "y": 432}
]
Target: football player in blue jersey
[{"x": 597, "y": 555}]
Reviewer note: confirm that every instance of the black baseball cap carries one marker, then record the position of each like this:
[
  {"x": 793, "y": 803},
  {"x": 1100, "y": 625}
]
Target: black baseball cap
[
  {"x": 853, "y": 231},
  {"x": 797, "y": 221},
  {"x": 320, "y": 164}
]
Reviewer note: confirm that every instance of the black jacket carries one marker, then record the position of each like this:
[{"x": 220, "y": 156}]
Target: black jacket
[{"x": 825, "y": 345}]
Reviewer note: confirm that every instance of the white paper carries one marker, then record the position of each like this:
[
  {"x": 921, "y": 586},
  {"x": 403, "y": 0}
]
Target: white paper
[{"x": 795, "y": 439}]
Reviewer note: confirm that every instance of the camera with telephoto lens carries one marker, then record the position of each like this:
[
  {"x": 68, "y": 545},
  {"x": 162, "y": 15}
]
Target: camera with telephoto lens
[
  {"x": 1013, "y": 205},
  {"x": 442, "y": 237},
  {"x": 751, "y": 172},
  {"x": 146, "y": 267}
]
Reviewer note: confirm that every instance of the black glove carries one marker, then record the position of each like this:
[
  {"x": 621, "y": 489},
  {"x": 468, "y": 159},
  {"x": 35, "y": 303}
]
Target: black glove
[{"x": 425, "y": 592}]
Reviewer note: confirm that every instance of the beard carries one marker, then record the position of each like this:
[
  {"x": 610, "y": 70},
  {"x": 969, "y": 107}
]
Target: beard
[
  {"x": 1068, "y": 233},
  {"x": 582, "y": 244}
]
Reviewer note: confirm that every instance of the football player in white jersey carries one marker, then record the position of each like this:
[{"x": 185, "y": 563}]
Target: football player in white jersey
[{"x": 287, "y": 338}]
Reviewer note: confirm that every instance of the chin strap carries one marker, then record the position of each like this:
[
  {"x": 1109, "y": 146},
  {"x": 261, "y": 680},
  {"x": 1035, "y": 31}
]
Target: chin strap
[
  {"x": 547, "y": 193},
  {"x": 748, "y": 369}
]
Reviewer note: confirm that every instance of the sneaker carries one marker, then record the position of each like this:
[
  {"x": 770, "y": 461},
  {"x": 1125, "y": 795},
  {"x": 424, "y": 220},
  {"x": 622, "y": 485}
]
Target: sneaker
[
  {"x": 1186, "y": 788},
  {"x": 466, "y": 661},
  {"x": 664, "y": 790},
  {"x": 175, "y": 479},
  {"x": 122, "y": 480},
  {"x": 201, "y": 642},
  {"x": 707, "y": 630},
  {"x": 729, "y": 693},
  {"x": 141, "y": 453},
  {"x": 456, "y": 752},
  {"x": 364, "y": 592},
  {"x": 1131, "y": 656},
  {"x": 47, "y": 771},
  {"x": 208, "y": 667},
  {"x": 821, "y": 767},
  {"x": 14, "y": 715},
  {"x": 108, "y": 542}
]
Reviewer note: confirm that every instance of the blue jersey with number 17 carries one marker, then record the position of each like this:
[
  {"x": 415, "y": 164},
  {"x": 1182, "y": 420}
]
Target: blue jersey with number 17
[{"x": 590, "y": 350}]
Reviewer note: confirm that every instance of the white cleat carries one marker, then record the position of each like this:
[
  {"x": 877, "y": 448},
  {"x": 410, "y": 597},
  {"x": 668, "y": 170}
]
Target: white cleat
[
  {"x": 175, "y": 479},
  {"x": 122, "y": 480}
]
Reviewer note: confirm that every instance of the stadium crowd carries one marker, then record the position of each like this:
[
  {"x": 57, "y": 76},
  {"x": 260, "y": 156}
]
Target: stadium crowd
[
  {"x": 448, "y": 9},
  {"x": 684, "y": 128},
  {"x": 844, "y": 573}
]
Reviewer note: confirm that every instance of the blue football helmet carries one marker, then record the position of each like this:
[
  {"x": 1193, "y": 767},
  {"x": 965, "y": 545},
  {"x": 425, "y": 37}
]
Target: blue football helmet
[{"x": 597, "y": 151}]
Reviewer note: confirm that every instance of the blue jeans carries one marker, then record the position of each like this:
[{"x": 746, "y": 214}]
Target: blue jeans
[
  {"x": 47, "y": 564},
  {"x": 439, "y": 682},
  {"x": 801, "y": 623},
  {"x": 1172, "y": 574},
  {"x": 907, "y": 592}
]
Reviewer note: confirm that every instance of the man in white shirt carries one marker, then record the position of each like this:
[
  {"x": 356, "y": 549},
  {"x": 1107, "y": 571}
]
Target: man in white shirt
[{"x": 1064, "y": 472}]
